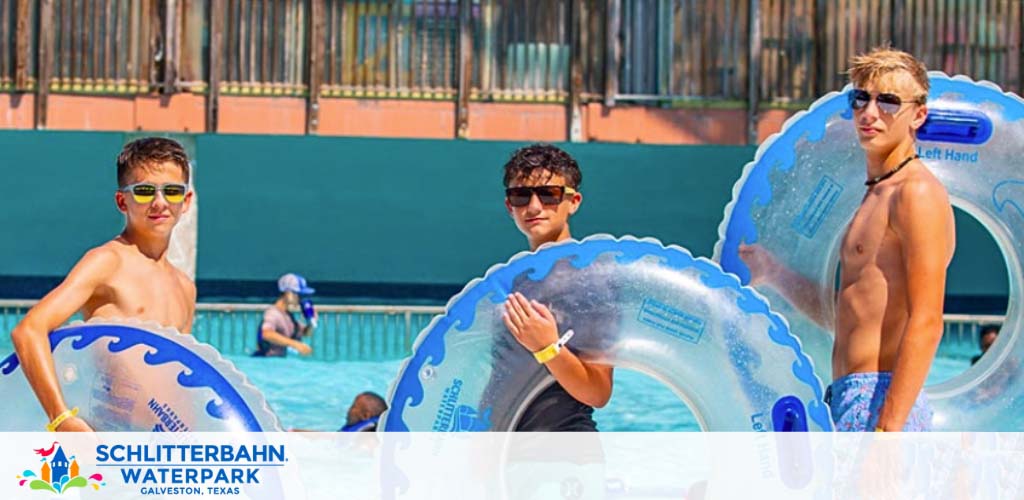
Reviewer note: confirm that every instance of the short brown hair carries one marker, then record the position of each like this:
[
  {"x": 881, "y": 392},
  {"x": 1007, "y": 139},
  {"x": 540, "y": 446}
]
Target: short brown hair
[
  {"x": 147, "y": 153},
  {"x": 526, "y": 160},
  {"x": 884, "y": 60}
]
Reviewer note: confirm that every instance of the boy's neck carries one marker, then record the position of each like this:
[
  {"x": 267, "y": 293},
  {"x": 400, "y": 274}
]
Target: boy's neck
[
  {"x": 881, "y": 163},
  {"x": 564, "y": 235},
  {"x": 152, "y": 247}
]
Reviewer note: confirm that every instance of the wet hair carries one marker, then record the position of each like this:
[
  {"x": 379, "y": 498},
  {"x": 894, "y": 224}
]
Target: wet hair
[
  {"x": 527, "y": 160},
  {"x": 985, "y": 330},
  {"x": 880, "y": 61},
  {"x": 366, "y": 405},
  {"x": 148, "y": 153}
]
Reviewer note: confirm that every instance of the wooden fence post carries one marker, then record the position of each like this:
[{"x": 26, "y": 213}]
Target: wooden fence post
[
  {"x": 465, "y": 69},
  {"x": 754, "y": 76},
  {"x": 613, "y": 51},
  {"x": 576, "y": 16},
  {"x": 44, "y": 69},
  {"x": 216, "y": 64},
  {"x": 22, "y": 52},
  {"x": 317, "y": 29}
]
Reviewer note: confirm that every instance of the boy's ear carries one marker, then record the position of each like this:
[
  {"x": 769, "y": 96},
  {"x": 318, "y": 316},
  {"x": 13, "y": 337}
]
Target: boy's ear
[
  {"x": 188, "y": 201},
  {"x": 574, "y": 203},
  {"x": 119, "y": 200},
  {"x": 920, "y": 115},
  {"x": 508, "y": 207}
]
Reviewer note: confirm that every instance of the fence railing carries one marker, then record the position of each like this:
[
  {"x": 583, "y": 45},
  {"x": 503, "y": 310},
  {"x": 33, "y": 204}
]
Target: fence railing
[
  {"x": 683, "y": 49},
  {"x": 962, "y": 331},
  {"x": 344, "y": 333},
  {"x": 376, "y": 333},
  {"x": 749, "y": 52},
  {"x": 264, "y": 48},
  {"x": 397, "y": 49},
  {"x": 807, "y": 44}
]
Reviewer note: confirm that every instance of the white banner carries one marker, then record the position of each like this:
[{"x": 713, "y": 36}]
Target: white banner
[{"x": 512, "y": 466}]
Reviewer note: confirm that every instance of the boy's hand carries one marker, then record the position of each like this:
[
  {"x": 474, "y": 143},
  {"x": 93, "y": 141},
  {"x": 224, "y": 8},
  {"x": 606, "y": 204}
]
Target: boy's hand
[
  {"x": 530, "y": 322},
  {"x": 302, "y": 348},
  {"x": 74, "y": 424},
  {"x": 760, "y": 262}
]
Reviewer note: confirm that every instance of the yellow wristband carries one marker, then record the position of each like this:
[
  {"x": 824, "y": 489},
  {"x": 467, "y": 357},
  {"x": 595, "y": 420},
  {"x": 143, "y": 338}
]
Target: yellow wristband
[
  {"x": 52, "y": 426},
  {"x": 879, "y": 429},
  {"x": 547, "y": 354}
]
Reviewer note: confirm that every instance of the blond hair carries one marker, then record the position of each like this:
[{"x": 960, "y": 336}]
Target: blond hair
[{"x": 881, "y": 61}]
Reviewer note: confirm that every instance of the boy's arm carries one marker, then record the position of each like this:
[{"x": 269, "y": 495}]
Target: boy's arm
[
  {"x": 272, "y": 336},
  {"x": 798, "y": 290},
  {"x": 589, "y": 383},
  {"x": 190, "y": 290},
  {"x": 924, "y": 222},
  {"x": 535, "y": 328},
  {"x": 31, "y": 336}
]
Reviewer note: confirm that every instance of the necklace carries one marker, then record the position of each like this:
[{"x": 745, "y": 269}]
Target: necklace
[{"x": 880, "y": 178}]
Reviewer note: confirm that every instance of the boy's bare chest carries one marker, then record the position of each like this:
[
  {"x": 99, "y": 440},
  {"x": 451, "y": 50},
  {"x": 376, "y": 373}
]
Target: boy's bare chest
[
  {"x": 869, "y": 238},
  {"x": 152, "y": 294}
]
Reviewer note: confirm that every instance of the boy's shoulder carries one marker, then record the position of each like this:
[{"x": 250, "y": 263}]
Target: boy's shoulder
[
  {"x": 107, "y": 256},
  {"x": 921, "y": 190}
]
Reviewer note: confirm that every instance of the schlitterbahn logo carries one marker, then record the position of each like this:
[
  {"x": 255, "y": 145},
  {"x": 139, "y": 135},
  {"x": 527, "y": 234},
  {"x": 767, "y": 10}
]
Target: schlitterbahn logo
[
  {"x": 190, "y": 469},
  {"x": 59, "y": 473}
]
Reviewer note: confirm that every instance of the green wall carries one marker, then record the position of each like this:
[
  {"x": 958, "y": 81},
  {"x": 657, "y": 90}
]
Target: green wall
[{"x": 390, "y": 211}]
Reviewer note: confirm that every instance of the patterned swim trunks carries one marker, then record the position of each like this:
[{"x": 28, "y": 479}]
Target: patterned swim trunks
[{"x": 857, "y": 398}]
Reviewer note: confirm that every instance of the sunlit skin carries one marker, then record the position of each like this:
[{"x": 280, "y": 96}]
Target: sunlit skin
[
  {"x": 893, "y": 257},
  {"x": 532, "y": 323},
  {"x": 127, "y": 277}
]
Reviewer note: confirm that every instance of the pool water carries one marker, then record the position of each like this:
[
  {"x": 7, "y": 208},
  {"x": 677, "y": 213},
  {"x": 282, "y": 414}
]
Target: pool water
[{"x": 315, "y": 395}]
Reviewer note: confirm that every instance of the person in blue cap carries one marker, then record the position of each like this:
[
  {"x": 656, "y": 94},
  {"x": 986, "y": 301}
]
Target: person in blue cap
[{"x": 281, "y": 329}]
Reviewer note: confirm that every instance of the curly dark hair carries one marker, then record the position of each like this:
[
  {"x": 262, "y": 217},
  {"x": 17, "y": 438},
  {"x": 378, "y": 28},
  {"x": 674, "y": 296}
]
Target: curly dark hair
[
  {"x": 366, "y": 405},
  {"x": 148, "y": 152},
  {"x": 528, "y": 159},
  {"x": 985, "y": 330}
]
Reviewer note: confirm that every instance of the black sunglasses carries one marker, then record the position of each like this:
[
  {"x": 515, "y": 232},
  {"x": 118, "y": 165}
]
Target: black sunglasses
[
  {"x": 887, "y": 103},
  {"x": 548, "y": 195}
]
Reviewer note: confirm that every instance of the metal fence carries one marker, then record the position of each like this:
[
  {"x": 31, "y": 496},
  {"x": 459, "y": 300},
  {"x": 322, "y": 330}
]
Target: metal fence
[
  {"x": 102, "y": 46},
  {"x": 807, "y": 44},
  {"x": 768, "y": 51},
  {"x": 262, "y": 46},
  {"x": 8, "y": 28},
  {"x": 378, "y": 333},
  {"x": 682, "y": 49},
  {"x": 345, "y": 333},
  {"x": 735, "y": 53},
  {"x": 403, "y": 49},
  {"x": 962, "y": 331}
]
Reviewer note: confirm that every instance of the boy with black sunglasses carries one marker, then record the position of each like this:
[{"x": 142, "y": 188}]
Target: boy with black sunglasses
[
  {"x": 127, "y": 277},
  {"x": 542, "y": 193},
  {"x": 893, "y": 258}
]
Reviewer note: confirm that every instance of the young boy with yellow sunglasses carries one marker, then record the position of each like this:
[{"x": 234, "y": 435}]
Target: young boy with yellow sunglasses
[{"x": 127, "y": 277}]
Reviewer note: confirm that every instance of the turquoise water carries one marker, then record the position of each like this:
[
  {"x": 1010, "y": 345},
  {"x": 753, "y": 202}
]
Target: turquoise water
[{"x": 314, "y": 395}]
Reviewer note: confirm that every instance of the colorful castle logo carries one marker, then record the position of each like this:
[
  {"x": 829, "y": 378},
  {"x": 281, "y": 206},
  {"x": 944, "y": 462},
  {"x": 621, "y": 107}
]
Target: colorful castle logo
[{"x": 58, "y": 473}]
